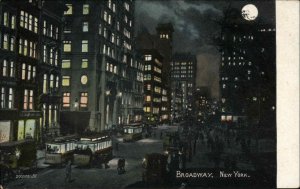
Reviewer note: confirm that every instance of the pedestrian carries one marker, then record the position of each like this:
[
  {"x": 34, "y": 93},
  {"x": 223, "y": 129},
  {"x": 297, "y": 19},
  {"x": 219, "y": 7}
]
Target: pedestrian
[
  {"x": 117, "y": 146},
  {"x": 68, "y": 172}
]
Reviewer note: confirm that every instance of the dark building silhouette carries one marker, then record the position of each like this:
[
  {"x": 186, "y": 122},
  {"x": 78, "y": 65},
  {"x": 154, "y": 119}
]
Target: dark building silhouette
[
  {"x": 247, "y": 72},
  {"x": 29, "y": 68},
  {"x": 162, "y": 41},
  {"x": 153, "y": 91},
  {"x": 102, "y": 73},
  {"x": 183, "y": 84}
]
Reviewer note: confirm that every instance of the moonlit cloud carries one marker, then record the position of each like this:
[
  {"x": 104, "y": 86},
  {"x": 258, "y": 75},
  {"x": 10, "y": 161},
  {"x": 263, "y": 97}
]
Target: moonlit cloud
[{"x": 195, "y": 25}]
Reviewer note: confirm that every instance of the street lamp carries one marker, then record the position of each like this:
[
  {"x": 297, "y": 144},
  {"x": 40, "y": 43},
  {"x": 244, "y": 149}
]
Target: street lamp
[{"x": 76, "y": 105}]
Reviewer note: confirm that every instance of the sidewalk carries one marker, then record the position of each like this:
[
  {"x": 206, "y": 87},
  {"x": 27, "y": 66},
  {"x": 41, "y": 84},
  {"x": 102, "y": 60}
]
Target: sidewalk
[{"x": 202, "y": 157}]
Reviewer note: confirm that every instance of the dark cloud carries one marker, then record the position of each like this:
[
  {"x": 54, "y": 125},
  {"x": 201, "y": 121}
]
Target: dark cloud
[{"x": 195, "y": 24}]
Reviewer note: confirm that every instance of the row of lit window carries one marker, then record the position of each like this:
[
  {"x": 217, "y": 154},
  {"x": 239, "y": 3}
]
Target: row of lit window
[
  {"x": 66, "y": 80},
  {"x": 111, "y": 68},
  {"x": 8, "y": 42},
  {"x": 164, "y": 36},
  {"x": 83, "y": 101},
  {"x": 85, "y": 9},
  {"x": 68, "y": 46},
  {"x": 28, "y": 72},
  {"x": 7, "y": 68},
  {"x": 66, "y": 63},
  {"x": 235, "y": 64},
  {"x": 182, "y": 63},
  {"x": 139, "y": 76},
  {"x": 147, "y": 57},
  {"x": 6, "y": 98},
  {"x": 50, "y": 55},
  {"x": 147, "y": 77},
  {"x": 109, "y": 51},
  {"x": 158, "y": 79},
  {"x": 28, "y": 99},
  {"x": 182, "y": 67},
  {"x": 9, "y": 20},
  {"x": 28, "y": 21},
  {"x": 50, "y": 83},
  {"x": 50, "y": 30},
  {"x": 233, "y": 58},
  {"x": 27, "y": 48}
]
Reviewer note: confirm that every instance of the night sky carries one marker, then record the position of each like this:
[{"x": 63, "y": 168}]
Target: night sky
[{"x": 195, "y": 24}]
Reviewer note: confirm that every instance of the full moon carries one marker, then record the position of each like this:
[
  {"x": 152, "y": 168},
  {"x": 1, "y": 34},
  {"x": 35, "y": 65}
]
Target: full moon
[{"x": 249, "y": 12}]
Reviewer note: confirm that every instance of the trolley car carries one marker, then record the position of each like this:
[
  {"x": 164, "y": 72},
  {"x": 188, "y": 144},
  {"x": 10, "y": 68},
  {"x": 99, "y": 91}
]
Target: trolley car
[
  {"x": 132, "y": 132},
  {"x": 60, "y": 150},
  {"x": 93, "y": 150}
]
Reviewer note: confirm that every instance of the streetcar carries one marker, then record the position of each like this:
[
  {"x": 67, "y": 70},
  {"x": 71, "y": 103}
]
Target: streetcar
[
  {"x": 132, "y": 132},
  {"x": 60, "y": 150},
  {"x": 17, "y": 157},
  {"x": 93, "y": 150}
]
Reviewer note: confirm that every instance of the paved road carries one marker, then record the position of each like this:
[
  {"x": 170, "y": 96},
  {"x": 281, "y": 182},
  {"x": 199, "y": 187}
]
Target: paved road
[{"x": 49, "y": 177}]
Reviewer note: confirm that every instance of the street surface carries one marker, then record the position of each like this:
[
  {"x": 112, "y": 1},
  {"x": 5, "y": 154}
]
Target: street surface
[
  {"x": 202, "y": 160},
  {"x": 134, "y": 152}
]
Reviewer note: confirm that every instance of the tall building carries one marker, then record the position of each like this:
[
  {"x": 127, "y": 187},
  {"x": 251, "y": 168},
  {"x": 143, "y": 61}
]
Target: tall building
[
  {"x": 153, "y": 91},
  {"x": 29, "y": 68},
  {"x": 203, "y": 104},
  {"x": 183, "y": 83},
  {"x": 162, "y": 41},
  {"x": 247, "y": 72},
  {"x": 102, "y": 74}
]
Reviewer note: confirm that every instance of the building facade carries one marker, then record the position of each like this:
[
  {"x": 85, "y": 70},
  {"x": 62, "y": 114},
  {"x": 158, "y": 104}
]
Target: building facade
[
  {"x": 102, "y": 73},
  {"x": 162, "y": 41},
  {"x": 153, "y": 91},
  {"x": 26, "y": 111},
  {"x": 183, "y": 83},
  {"x": 247, "y": 73}
]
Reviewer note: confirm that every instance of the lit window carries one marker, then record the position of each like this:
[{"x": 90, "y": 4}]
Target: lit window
[
  {"x": 25, "y": 47},
  {"x": 148, "y": 57},
  {"x": 5, "y": 41},
  {"x": 5, "y": 19},
  {"x": 29, "y": 72},
  {"x": 66, "y": 64},
  {"x": 84, "y": 63},
  {"x": 67, "y": 46},
  {"x": 66, "y": 80},
  {"x": 84, "y": 79},
  {"x": 4, "y": 68},
  {"x": 2, "y": 97},
  {"x": 57, "y": 81},
  {"x": 45, "y": 84},
  {"x": 30, "y": 99},
  {"x": 148, "y": 98},
  {"x": 66, "y": 100},
  {"x": 12, "y": 70},
  {"x": 12, "y": 44},
  {"x": 10, "y": 98},
  {"x": 25, "y": 103},
  {"x": 83, "y": 100},
  {"x": 148, "y": 87},
  {"x": 70, "y": 9},
  {"x": 84, "y": 46},
  {"x": 51, "y": 81},
  {"x": 85, "y": 26},
  {"x": 85, "y": 9},
  {"x": 23, "y": 71}
]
